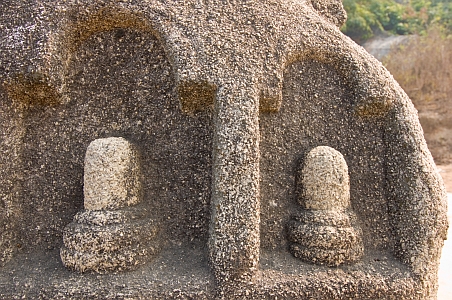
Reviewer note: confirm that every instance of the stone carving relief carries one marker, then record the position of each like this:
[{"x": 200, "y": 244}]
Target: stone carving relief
[
  {"x": 325, "y": 232},
  {"x": 113, "y": 233},
  {"x": 215, "y": 101}
]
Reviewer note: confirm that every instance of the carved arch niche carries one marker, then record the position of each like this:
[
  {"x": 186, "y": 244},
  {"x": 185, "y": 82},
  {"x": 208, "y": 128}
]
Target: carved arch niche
[
  {"x": 318, "y": 110},
  {"x": 119, "y": 83}
]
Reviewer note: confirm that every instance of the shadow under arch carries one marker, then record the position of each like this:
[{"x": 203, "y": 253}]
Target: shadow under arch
[
  {"x": 317, "y": 109},
  {"x": 119, "y": 81},
  {"x": 395, "y": 189},
  {"x": 195, "y": 93}
]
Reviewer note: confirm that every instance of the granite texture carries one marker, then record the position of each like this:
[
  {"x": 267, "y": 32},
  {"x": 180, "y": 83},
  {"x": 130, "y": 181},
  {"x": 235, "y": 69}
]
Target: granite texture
[
  {"x": 322, "y": 233},
  {"x": 109, "y": 248},
  {"x": 113, "y": 233},
  {"x": 325, "y": 181},
  {"x": 112, "y": 176},
  {"x": 223, "y": 100}
]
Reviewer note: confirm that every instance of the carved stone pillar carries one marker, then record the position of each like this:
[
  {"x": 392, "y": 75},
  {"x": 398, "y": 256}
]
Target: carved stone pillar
[{"x": 234, "y": 229}]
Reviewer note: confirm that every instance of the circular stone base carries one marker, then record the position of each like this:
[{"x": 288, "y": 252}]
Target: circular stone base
[
  {"x": 329, "y": 257},
  {"x": 105, "y": 262},
  {"x": 108, "y": 241},
  {"x": 325, "y": 237}
]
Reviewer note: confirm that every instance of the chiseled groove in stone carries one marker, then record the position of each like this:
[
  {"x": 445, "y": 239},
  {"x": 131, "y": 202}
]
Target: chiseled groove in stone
[
  {"x": 329, "y": 257},
  {"x": 100, "y": 20},
  {"x": 324, "y": 237},
  {"x": 108, "y": 217},
  {"x": 32, "y": 90},
  {"x": 270, "y": 98},
  {"x": 322, "y": 217},
  {"x": 196, "y": 96},
  {"x": 269, "y": 104}
]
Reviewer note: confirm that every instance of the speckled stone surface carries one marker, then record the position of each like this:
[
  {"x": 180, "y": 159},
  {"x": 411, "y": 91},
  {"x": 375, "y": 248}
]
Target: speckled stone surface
[
  {"x": 325, "y": 231},
  {"x": 112, "y": 176},
  {"x": 223, "y": 100},
  {"x": 325, "y": 181},
  {"x": 112, "y": 234},
  {"x": 109, "y": 247}
]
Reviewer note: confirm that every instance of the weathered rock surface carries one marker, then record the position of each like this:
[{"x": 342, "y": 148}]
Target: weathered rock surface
[
  {"x": 109, "y": 236},
  {"x": 223, "y": 100},
  {"x": 323, "y": 233},
  {"x": 111, "y": 175},
  {"x": 325, "y": 181},
  {"x": 108, "y": 248}
]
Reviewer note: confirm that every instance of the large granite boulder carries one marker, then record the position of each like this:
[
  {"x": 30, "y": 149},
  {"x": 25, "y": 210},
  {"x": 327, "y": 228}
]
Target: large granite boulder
[{"x": 223, "y": 101}]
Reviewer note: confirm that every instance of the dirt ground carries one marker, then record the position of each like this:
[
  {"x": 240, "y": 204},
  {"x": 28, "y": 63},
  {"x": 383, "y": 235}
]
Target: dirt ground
[
  {"x": 437, "y": 127},
  {"x": 434, "y": 108}
]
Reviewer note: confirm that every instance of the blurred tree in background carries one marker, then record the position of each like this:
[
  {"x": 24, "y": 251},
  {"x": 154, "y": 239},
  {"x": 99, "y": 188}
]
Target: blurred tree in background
[
  {"x": 369, "y": 17},
  {"x": 423, "y": 68}
]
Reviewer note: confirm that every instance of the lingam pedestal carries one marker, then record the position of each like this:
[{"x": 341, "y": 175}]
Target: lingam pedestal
[
  {"x": 325, "y": 232},
  {"x": 113, "y": 233},
  {"x": 223, "y": 99}
]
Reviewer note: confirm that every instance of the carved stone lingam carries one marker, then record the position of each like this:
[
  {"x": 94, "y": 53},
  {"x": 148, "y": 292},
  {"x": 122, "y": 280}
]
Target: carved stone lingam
[
  {"x": 326, "y": 231},
  {"x": 222, "y": 98},
  {"x": 112, "y": 233}
]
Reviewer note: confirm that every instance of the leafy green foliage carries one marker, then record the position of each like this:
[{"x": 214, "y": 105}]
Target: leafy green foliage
[{"x": 367, "y": 17}]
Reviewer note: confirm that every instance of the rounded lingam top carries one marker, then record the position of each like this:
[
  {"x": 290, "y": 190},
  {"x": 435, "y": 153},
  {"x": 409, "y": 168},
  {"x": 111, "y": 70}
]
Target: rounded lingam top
[{"x": 325, "y": 180}]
